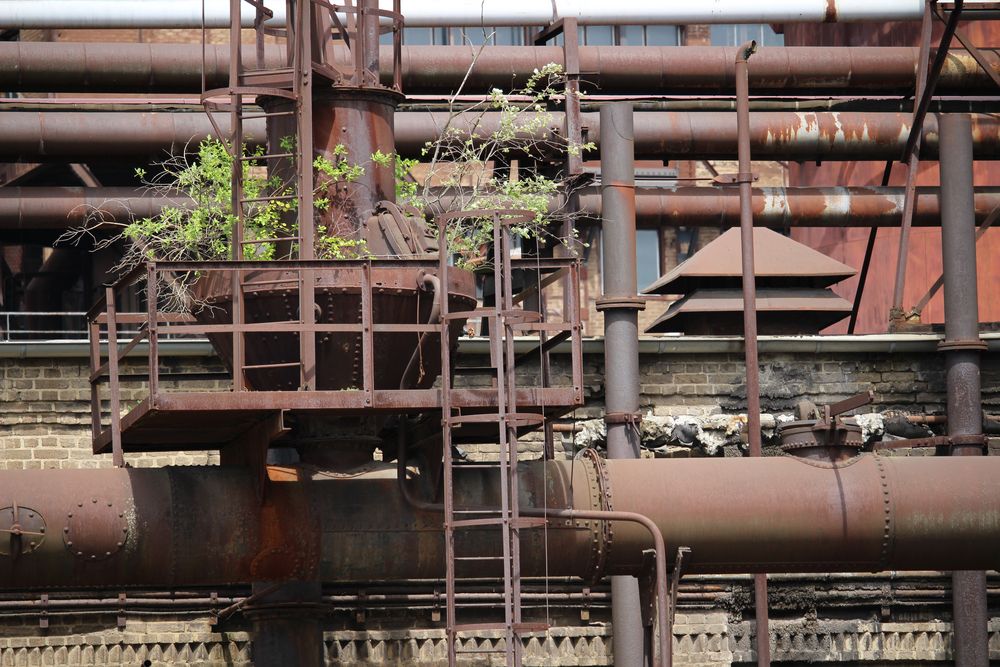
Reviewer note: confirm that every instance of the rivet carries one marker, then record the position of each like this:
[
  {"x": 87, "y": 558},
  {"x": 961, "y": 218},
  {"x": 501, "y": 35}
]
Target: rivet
[
  {"x": 107, "y": 553},
  {"x": 93, "y": 556},
  {"x": 120, "y": 544},
  {"x": 42, "y": 529},
  {"x": 69, "y": 544},
  {"x": 79, "y": 504},
  {"x": 109, "y": 503},
  {"x": 70, "y": 515},
  {"x": 79, "y": 553},
  {"x": 93, "y": 500}
]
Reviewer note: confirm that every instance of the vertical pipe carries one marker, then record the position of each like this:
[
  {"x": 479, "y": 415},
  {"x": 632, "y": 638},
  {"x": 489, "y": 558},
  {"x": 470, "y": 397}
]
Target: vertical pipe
[
  {"x": 621, "y": 345},
  {"x": 745, "y": 178},
  {"x": 286, "y": 622},
  {"x": 962, "y": 349}
]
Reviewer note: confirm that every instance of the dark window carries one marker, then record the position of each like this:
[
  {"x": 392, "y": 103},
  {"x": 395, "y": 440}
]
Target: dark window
[{"x": 647, "y": 257}]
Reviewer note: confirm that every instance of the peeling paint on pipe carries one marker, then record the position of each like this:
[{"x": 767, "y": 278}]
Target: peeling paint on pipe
[
  {"x": 86, "y": 136},
  {"x": 53, "y": 209},
  {"x": 802, "y": 136}
]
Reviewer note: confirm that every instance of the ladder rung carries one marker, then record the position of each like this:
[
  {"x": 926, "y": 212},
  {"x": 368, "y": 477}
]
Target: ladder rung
[
  {"x": 267, "y": 156},
  {"x": 262, "y": 72},
  {"x": 269, "y": 114},
  {"x": 288, "y": 364},
  {"x": 274, "y": 198},
  {"x": 478, "y": 312},
  {"x": 479, "y": 558},
  {"x": 523, "y": 418},
  {"x": 276, "y": 240},
  {"x": 519, "y": 522}
]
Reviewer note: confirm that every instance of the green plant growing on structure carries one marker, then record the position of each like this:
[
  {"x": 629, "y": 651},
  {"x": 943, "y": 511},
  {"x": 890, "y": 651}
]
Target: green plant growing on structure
[
  {"x": 469, "y": 167},
  {"x": 476, "y": 163}
]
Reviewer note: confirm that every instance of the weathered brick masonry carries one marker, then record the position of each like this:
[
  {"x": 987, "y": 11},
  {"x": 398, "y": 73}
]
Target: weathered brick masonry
[{"x": 45, "y": 422}]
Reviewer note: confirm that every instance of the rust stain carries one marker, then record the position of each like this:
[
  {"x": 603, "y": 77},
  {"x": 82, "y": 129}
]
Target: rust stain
[{"x": 831, "y": 12}]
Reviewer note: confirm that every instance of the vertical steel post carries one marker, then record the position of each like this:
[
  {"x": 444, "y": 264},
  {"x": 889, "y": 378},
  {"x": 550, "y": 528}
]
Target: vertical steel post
[
  {"x": 745, "y": 179},
  {"x": 961, "y": 348},
  {"x": 620, "y": 306},
  {"x": 287, "y": 627}
]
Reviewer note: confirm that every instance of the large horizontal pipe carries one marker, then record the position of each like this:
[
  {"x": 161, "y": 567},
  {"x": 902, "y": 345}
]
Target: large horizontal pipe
[
  {"x": 660, "y": 70},
  {"x": 17, "y": 14},
  {"x": 52, "y": 210},
  {"x": 33, "y": 136},
  {"x": 172, "y": 527},
  {"x": 788, "y": 135}
]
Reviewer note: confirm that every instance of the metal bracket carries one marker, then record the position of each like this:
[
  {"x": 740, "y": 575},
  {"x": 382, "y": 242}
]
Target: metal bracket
[
  {"x": 675, "y": 580},
  {"x": 121, "y": 611},
  {"x": 585, "y": 605},
  {"x": 43, "y": 615},
  {"x": 647, "y": 587},
  {"x": 950, "y": 441}
]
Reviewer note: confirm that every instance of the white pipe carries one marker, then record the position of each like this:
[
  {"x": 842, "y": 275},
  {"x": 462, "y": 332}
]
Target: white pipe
[{"x": 40, "y": 14}]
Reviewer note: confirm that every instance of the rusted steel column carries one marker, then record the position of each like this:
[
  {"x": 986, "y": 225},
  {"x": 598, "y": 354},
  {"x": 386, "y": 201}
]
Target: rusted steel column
[
  {"x": 189, "y": 526},
  {"x": 287, "y": 623},
  {"x": 962, "y": 347},
  {"x": 620, "y": 306},
  {"x": 745, "y": 179}
]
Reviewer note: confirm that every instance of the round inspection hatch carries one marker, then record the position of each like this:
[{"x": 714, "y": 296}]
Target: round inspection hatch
[{"x": 22, "y": 530}]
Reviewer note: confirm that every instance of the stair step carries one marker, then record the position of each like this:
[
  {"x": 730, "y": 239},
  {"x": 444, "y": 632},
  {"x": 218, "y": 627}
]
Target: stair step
[{"x": 519, "y": 522}]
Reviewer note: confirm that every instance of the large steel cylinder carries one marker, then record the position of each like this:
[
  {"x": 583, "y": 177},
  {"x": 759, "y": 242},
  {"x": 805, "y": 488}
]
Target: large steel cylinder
[{"x": 169, "y": 527}]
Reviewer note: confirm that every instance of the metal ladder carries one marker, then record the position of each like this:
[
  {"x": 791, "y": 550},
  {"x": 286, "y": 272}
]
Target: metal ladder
[
  {"x": 504, "y": 321},
  {"x": 290, "y": 80}
]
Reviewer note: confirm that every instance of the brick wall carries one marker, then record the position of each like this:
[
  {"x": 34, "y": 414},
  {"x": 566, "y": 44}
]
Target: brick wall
[{"x": 45, "y": 422}]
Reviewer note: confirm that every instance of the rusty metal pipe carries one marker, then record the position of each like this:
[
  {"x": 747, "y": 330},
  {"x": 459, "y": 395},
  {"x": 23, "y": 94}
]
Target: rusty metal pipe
[
  {"x": 745, "y": 178},
  {"x": 206, "y": 526},
  {"x": 669, "y": 70},
  {"x": 621, "y": 345},
  {"x": 53, "y": 209},
  {"x": 962, "y": 348},
  {"x": 39, "y": 136}
]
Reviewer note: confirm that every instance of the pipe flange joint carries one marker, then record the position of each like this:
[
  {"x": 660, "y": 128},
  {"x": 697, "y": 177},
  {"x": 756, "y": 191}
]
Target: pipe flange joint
[
  {"x": 605, "y": 536},
  {"x": 633, "y": 418},
  {"x": 620, "y": 302},
  {"x": 971, "y": 345}
]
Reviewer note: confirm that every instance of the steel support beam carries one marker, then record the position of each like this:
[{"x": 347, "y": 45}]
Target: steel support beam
[
  {"x": 33, "y": 136},
  {"x": 962, "y": 348},
  {"x": 667, "y": 70}
]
